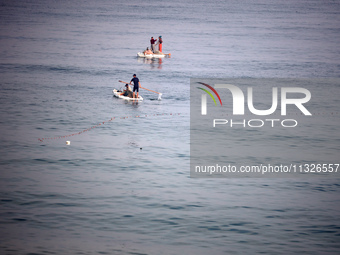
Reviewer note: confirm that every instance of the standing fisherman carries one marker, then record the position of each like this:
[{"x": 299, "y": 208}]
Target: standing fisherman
[
  {"x": 152, "y": 42},
  {"x": 160, "y": 43},
  {"x": 136, "y": 84}
]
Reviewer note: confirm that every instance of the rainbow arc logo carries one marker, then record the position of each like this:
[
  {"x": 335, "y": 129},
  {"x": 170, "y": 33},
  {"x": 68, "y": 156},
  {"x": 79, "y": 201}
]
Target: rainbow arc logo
[
  {"x": 209, "y": 93},
  {"x": 204, "y": 97}
]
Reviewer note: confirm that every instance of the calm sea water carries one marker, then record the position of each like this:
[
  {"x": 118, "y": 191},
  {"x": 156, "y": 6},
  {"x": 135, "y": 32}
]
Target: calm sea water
[{"x": 124, "y": 187}]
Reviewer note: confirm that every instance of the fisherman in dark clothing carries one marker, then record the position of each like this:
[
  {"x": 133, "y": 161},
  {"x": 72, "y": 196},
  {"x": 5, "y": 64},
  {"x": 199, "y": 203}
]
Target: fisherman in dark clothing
[
  {"x": 136, "y": 84},
  {"x": 152, "y": 42}
]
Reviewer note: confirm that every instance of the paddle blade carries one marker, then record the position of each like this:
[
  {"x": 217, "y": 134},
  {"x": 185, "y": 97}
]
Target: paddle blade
[{"x": 160, "y": 96}]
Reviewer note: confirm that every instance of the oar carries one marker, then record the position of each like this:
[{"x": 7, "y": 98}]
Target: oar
[
  {"x": 159, "y": 94},
  {"x": 128, "y": 83}
]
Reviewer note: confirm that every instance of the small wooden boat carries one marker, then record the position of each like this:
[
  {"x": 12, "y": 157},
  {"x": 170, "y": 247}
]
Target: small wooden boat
[
  {"x": 117, "y": 94},
  {"x": 142, "y": 55},
  {"x": 157, "y": 54}
]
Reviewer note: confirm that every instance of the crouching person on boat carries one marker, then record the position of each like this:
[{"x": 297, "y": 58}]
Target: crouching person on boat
[
  {"x": 147, "y": 51},
  {"x": 127, "y": 91}
]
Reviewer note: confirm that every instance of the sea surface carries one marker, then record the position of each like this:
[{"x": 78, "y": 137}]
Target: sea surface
[{"x": 123, "y": 184}]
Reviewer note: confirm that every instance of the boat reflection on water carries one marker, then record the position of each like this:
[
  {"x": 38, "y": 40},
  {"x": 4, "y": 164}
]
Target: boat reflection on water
[{"x": 153, "y": 62}]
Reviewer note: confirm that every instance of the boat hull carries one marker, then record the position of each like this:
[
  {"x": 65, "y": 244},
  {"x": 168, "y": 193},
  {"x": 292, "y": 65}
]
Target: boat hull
[
  {"x": 116, "y": 93},
  {"x": 142, "y": 55}
]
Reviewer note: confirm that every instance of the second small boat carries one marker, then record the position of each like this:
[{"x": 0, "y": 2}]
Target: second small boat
[{"x": 142, "y": 55}]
